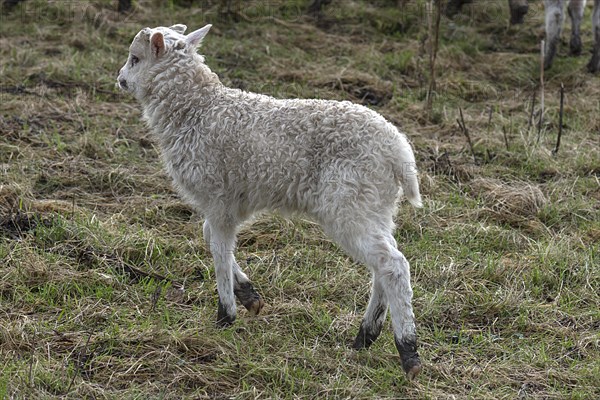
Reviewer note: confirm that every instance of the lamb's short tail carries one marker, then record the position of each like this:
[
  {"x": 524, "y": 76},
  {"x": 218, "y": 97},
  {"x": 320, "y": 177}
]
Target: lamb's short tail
[
  {"x": 407, "y": 174},
  {"x": 410, "y": 186}
]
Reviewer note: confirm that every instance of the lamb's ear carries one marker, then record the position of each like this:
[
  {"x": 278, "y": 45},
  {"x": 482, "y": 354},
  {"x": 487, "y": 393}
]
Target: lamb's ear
[
  {"x": 157, "y": 44},
  {"x": 195, "y": 38},
  {"x": 179, "y": 28}
]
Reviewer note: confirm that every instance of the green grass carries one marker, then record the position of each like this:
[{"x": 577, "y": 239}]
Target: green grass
[{"x": 95, "y": 246}]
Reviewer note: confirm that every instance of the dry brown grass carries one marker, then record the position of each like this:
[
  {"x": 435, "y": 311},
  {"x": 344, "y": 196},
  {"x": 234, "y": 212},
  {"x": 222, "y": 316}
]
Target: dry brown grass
[{"x": 520, "y": 199}]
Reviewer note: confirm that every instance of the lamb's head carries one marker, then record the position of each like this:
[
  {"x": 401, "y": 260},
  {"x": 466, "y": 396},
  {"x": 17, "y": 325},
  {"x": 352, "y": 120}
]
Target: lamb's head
[{"x": 152, "y": 48}]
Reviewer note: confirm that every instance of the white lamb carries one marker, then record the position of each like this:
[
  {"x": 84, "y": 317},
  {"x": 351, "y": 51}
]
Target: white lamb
[{"x": 233, "y": 154}]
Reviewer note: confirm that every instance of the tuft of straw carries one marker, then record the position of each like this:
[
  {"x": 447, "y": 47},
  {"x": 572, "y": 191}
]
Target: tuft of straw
[{"x": 512, "y": 199}]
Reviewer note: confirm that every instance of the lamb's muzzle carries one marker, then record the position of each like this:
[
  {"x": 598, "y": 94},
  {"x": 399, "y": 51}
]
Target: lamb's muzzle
[{"x": 233, "y": 154}]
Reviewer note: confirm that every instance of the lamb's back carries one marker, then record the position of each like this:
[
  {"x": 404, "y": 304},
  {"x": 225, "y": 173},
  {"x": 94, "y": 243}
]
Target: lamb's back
[{"x": 261, "y": 152}]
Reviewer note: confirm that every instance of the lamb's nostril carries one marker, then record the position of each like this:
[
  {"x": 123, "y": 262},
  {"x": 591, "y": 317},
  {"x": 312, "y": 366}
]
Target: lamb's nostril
[{"x": 123, "y": 83}]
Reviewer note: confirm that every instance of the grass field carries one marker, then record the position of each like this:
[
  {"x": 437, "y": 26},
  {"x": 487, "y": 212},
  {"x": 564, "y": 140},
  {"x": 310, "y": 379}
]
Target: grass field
[{"x": 107, "y": 290}]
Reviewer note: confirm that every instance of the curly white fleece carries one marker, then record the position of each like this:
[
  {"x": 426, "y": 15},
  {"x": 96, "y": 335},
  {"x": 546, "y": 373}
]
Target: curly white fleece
[{"x": 232, "y": 154}]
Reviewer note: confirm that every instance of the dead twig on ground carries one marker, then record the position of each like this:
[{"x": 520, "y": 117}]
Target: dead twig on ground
[
  {"x": 489, "y": 123},
  {"x": 531, "y": 113},
  {"x": 541, "y": 120},
  {"x": 434, "y": 12},
  {"x": 80, "y": 362},
  {"x": 465, "y": 131},
  {"x": 505, "y": 134},
  {"x": 560, "y": 118}
]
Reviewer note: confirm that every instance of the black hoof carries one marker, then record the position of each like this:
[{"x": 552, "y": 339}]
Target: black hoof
[
  {"x": 517, "y": 15},
  {"x": 223, "y": 319},
  {"x": 594, "y": 65},
  {"x": 249, "y": 297},
  {"x": 455, "y": 6},
  {"x": 411, "y": 363},
  {"x": 364, "y": 339},
  {"x": 575, "y": 46}
]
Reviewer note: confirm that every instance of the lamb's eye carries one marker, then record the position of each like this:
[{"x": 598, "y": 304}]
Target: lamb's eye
[{"x": 134, "y": 60}]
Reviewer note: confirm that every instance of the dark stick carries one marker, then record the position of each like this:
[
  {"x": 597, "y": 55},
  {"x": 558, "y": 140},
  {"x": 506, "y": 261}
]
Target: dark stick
[
  {"x": 465, "y": 131},
  {"x": 560, "y": 118},
  {"x": 80, "y": 356},
  {"x": 540, "y": 122},
  {"x": 31, "y": 362},
  {"x": 505, "y": 138},
  {"x": 434, "y": 34},
  {"x": 489, "y": 120},
  {"x": 532, "y": 110}
]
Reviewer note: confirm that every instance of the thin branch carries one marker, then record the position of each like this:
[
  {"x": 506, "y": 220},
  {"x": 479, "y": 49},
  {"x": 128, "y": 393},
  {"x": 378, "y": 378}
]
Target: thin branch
[
  {"x": 560, "y": 118},
  {"x": 489, "y": 124},
  {"x": 80, "y": 360},
  {"x": 505, "y": 134},
  {"x": 530, "y": 122},
  {"x": 465, "y": 131},
  {"x": 434, "y": 34},
  {"x": 541, "y": 121}
]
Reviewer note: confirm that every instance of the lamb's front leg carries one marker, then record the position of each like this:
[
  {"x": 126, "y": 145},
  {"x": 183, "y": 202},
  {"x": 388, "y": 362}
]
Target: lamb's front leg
[
  {"x": 242, "y": 287},
  {"x": 372, "y": 322},
  {"x": 222, "y": 245}
]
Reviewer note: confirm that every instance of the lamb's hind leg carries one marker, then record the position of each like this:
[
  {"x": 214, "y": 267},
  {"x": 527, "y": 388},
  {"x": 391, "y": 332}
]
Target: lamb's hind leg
[
  {"x": 242, "y": 287},
  {"x": 390, "y": 271},
  {"x": 576, "y": 8},
  {"x": 394, "y": 272}
]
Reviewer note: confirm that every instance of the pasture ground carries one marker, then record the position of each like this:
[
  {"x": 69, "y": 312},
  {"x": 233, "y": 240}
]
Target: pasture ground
[{"x": 107, "y": 290}]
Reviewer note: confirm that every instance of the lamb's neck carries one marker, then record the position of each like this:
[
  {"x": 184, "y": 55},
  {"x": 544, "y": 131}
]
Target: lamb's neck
[{"x": 181, "y": 89}]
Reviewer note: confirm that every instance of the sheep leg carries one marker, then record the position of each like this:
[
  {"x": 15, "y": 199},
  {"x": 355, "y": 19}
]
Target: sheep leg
[
  {"x": 554, "y": 19},
  {"x": 575, "y": 9},
  {"x": 518, "y": 10},
  {"x": 594, "y": 64},
  {"x": 394, "y": 273},
  {"x": 242, "y": 287},
  {"x": 390, "y": 271},
  {"x": 372, "y": 322},
  {"x": 455, "y": 6},
  {"x": 222, "y": 244}
]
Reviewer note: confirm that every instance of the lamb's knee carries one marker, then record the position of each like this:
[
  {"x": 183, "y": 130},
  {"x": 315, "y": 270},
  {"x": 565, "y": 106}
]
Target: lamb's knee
[{"x": 396, "y": 276}]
